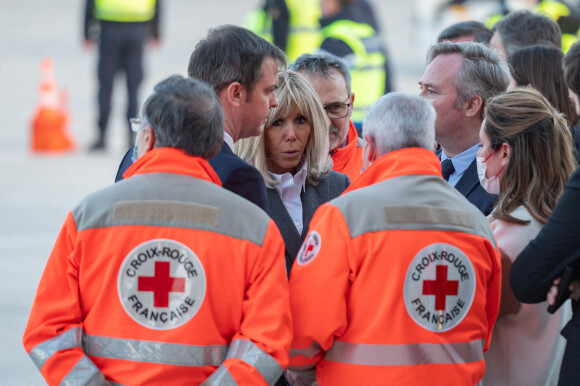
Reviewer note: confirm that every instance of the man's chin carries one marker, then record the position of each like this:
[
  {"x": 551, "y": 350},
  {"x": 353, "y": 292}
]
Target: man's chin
[{"x": 256, "y": 132}]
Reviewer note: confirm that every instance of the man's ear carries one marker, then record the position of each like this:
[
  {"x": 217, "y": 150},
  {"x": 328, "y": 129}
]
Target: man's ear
[
  {"x": 148, "y": 137},
  {"x": 473, "y": 107},
  {"x": 351, "y": 101},
  {"x": 370, "y": 150},
  {"x": 236, "y": 94}
]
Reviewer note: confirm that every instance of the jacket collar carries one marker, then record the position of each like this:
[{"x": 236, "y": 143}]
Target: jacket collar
[
  {"x": 175, "y": 161},
  {"x": 398, "y": 163},
  {"x": 342, "y": 155}
]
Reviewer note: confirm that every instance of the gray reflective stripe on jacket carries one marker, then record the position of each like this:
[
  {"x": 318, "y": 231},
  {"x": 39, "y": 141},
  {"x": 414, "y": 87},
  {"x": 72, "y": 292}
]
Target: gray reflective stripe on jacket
[
  {"x": 69, "y": 339},
  {"x": 220, "y": 377},
  {"x": 411, "y": 202},
  {"x": 154, "y": 352},
  {"x": 172, "y": 200},
  {"x": 405, "y": 354},
  {"x": 248, "y": 352},
  {"x": 184, "y": 355},
  {"x": 308, "y": 352},
  {"x": 84, "y": 373},
  {"x": 251, "y": 354}
]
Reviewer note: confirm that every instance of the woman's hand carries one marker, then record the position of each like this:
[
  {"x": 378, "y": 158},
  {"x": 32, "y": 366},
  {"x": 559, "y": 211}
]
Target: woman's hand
[{"x": 553, "y": 292}]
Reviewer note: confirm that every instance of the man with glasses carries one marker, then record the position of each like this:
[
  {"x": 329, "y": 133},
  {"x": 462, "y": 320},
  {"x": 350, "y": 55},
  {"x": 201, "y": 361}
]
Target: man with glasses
[{"x": 331, "y": 80}]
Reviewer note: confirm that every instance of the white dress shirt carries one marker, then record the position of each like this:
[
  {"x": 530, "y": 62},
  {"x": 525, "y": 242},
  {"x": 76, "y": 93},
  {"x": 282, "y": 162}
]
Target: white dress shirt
[
  {"x": 289, "y": 189},
  {"x": 229, "y": 140}
]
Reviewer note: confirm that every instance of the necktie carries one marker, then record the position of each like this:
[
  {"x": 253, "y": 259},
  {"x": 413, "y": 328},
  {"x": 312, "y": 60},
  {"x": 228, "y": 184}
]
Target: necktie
[{"x": 447, "y": 168}]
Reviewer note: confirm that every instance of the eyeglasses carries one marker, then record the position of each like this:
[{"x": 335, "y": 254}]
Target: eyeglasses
[
  {"x": 337, "y": 110},
  {"x": 136, "y": 124}
]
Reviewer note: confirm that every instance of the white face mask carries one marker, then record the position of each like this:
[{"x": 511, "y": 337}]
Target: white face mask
[{"x": 491, "y": 185}]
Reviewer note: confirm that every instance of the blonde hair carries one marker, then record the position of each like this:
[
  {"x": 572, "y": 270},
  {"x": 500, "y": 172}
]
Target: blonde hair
[
  {"x": 293, "y": 91},
  {"x": 541, "y": 158}
]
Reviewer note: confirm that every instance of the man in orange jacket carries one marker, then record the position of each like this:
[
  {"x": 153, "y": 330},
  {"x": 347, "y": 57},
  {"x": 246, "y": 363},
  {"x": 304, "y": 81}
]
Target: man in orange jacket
[
  {"x": 165, "y": 278},
  {"x": 331, "y": 80},
  {"x": 401, "y": 274}
]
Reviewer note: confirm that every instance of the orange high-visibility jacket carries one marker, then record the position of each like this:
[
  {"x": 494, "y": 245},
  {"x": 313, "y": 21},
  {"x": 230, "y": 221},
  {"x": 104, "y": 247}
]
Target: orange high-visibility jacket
[
  {"x": 163, "y": 278},
  {"x": 348, "y": 159},
  {"x": 397, "y": 282}
]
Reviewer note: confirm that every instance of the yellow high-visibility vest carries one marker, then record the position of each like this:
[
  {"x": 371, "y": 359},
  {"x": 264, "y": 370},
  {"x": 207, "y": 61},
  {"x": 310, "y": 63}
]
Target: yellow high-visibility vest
[
  {"x": 304, "y": 35},
  {"x": 125, "y": 10},
  {"x": 368, "y": 69}
]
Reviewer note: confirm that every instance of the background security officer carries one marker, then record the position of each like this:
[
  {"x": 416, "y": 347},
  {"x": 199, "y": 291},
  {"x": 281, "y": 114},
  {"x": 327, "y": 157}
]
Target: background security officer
[{"x": 125, "y": 26}]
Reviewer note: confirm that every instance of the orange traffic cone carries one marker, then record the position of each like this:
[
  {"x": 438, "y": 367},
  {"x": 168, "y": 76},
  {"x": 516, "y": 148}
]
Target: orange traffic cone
[{"x": 49, "y": 133}]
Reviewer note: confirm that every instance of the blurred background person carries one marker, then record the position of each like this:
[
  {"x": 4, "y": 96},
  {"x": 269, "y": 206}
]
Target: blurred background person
[
  {"x": 572, "y": 77},
  {"x": 350, "y": 32},
  {"x": 526, "y": 158},
  {"x": 121, "y": 28},
  {"x": 566, "y": 14},
  {"x": 292, "y": 155},
  {"x": 540, "y": 67},
  {"x": 466, "y": 31},
  {"x": 292, "y": 25},
  {"x": 524, "y": 28}
]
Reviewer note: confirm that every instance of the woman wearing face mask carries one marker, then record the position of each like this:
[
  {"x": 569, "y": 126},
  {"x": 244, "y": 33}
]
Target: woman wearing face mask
[
  {"x": 292, "y": 155},
  {"x": 525, "y": 158}
]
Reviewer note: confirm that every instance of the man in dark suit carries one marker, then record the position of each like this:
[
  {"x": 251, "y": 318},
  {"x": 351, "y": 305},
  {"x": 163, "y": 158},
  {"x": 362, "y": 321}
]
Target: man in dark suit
[
  {"x": 458, "y": 80},
  {"x": 243, "y": 69}
]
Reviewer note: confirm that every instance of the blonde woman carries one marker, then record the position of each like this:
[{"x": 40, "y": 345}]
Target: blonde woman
[
  {"x": 292, "y": 155},
  {"x": 526, "y": 158}
]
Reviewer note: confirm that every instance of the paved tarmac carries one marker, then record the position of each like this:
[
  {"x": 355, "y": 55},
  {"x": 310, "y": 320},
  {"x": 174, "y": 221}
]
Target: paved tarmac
[{"x": 37, "y": 190}]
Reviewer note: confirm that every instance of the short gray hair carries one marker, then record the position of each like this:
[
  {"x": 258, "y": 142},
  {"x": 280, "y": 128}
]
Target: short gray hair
[
  {"x": 321, "y": 65},
  {"x": 398, "y": 120},
  {"x": 483, "y": 72},
  {"x": 185, "y": 113}
]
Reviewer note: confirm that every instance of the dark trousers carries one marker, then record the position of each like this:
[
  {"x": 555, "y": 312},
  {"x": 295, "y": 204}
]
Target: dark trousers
[{"x": 121, "y": 48}]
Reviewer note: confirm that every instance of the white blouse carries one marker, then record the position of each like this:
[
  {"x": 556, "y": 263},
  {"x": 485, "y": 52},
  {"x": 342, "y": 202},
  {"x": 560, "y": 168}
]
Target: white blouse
[{"x": 289, "y": 189}]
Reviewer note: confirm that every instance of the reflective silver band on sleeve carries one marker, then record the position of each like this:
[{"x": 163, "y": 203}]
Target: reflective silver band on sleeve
[
  {"x": 308, "y": 352},
  {"x": 254, "y": 356},
  {"x": 84, "y": 373},
  {"x": 69, "y": 339},
  {"x": 405, "y": 354},
  {"x": 154, "y": 352},
  {"x": 220, "y": 377}
]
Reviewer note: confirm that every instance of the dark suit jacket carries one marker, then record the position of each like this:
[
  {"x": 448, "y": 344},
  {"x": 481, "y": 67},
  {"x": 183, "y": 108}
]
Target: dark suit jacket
[
  {"x": 469, "y": 186},
  {"x": 313, "y": 196},
  {"x": 236, "y": 175}
]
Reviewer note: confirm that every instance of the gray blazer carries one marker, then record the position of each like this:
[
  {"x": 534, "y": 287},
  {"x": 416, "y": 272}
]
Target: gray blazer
[{"x": 312, "y": 197}]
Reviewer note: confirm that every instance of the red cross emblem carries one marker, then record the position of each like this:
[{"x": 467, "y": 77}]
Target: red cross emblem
[
  {"x": 161, "y": 284},
  {"x": 310, "y": 247},
  {"x": 440, "y": 287}
]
